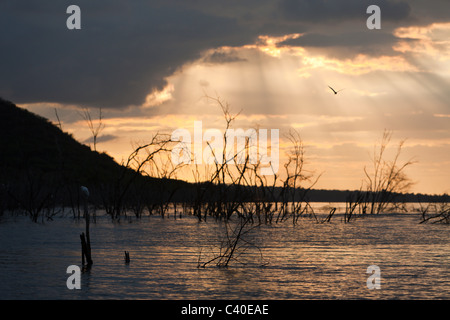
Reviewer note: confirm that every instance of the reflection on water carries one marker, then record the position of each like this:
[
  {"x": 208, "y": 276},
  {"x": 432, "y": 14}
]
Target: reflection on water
[{"x": 308, "y": 261}]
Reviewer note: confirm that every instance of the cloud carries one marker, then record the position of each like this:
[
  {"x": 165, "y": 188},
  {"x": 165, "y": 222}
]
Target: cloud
[
  {"x": 123, "y": 52},
  {"x": 429, "y": 41},
  {"x": 320, "y": 11},
  {"x": 349, "y": 43},
  {"x": 103, "y": 138},
  {"x": 157, "y": 98},
  {"x": 426, "y": 12},
  {"x": 221, "y": 56}
]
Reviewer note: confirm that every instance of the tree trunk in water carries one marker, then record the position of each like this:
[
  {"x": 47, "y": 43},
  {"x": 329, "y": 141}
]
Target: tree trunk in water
[{"x": 86, "y": 241}]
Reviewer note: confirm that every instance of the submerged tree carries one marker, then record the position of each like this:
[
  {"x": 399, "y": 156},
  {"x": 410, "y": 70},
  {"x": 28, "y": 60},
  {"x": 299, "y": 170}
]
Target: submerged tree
[
  {"x": 435, "y": 213},
  {"x": 233, "y": 245},
  {"x": 115, "y": 193},
  {"x": 387, "y": 177},
  {"x": 294, "y": 191}
]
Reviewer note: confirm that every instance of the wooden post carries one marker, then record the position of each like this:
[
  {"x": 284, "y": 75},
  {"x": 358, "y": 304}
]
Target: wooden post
[
  {"x": 83, "y": 248},
  {"x": 86, "y": 239},
  {"x": 127, "y": 257}
]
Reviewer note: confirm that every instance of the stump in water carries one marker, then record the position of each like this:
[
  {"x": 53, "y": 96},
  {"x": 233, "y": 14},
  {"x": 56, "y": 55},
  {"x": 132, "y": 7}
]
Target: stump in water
[
  {"x": 328, "y": 218},
  {"x": 127, "y": 257},
  {"x": 86, "y": 239},
  {"x": 85, "y": 251}
]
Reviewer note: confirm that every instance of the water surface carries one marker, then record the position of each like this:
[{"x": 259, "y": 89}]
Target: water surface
[{"x": 306, "y": 261}]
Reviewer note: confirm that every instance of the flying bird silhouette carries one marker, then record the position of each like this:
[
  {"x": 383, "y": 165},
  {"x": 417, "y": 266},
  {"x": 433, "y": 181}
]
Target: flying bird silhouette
[{"x": 335, "y": 92}]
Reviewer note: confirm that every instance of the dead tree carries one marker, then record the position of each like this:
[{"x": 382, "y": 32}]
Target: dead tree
[
  {"x": 294, "y": 191},
  {"x": 233, "y": 245},
  {"x": 95, "y": 129},
  {"x": 436, "y": 214},
  {"x": 354, "y": 201},
  {"x": 86, "y": 256},
  {"x": 387, "y": 178}
]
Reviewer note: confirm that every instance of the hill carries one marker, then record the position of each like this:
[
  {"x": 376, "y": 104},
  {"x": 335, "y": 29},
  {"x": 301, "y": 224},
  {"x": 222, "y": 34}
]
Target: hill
[
  {"x": 30, "y": 143},
  {"x": 42, "y": 166}
]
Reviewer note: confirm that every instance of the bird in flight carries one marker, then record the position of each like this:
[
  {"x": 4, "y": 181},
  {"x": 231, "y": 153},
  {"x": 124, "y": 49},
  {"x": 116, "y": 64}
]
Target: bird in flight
[{"x": 335, "y": 92}]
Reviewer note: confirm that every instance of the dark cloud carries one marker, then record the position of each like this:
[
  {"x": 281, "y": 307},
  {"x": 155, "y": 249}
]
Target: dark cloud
[
  {"x": 339, "y": 27},
  {"x": 103, "y": 138},
  {"x": 320, "y": 11},
  {"x": 220, "y": 57},
  {"x": 119, "y": 55},
  {"x": 426, "y": 12},
  {"x": 349, "y": 42},
  {"x": 349, "y": 39}
]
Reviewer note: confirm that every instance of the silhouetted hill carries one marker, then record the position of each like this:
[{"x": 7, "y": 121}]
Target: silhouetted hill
[
  {"x": 41, "y": 165},
  {"x": 32, "y": 143}
]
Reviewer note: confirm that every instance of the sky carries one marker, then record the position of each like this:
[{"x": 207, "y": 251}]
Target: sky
[{"x": 150, "y": 66}]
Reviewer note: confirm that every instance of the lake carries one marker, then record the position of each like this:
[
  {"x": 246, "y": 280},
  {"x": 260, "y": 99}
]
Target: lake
[{"x": 282, "y": 261}]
